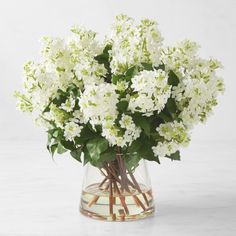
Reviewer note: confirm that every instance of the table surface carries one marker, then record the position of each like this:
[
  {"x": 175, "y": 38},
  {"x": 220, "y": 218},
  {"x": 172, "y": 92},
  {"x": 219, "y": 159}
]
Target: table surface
[{"x": 40, "y": 197}]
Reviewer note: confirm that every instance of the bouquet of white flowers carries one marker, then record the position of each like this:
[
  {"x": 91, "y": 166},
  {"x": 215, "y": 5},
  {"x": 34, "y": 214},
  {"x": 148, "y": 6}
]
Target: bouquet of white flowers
[{"x": 129, "y": 97}]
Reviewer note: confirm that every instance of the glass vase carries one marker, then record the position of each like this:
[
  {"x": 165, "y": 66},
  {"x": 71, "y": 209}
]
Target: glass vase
[{"x": 117, "y": 193}]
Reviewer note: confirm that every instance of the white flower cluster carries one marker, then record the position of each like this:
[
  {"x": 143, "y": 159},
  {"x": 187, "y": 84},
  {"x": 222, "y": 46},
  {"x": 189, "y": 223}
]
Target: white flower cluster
[
  {"x": 123, "y": 135},
  {"x": 90, "y": 72},
  {"x": 151, "y": 92},
  {"x": 69, "y": 104},
  {"x": 197, "y": 92},
  {"x": 65, "y": 61},
  {"x": 40, "y": 84},
  {"x": 72, "y": 130},
  {"x": 134, "y": 44},
  {"x": 98, "y": 103},
  {"x": 175, "y": 135},
  {"x": 122, "y": 89}
]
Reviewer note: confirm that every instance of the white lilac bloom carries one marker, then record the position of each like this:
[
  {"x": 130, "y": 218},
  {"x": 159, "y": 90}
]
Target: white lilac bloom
[
  {"x": 124, "y": 52},
  {"x": 98, "y": 103},
  {"x": 59, "y": 116},
  {"x": 134, "y": 44},
  {"x": 132, "y": 132},
  {"x": 23, "y": 102},
  {"x": 196, "y": 96},
  {"x": 111, "y": 133},
  {"x": 150, "y": 42},
  {"x": 123, "y": 136},
  {"x": 40, "y": 84},
  {"x": 90, "y": 72},
  {"x": 151, "y": 92},
  {"x": 175, "y": 135},
  {"x": 122, "y": 85},
  {"x": 180, "y": 58},
  {"x": 197, "y": 92},
  {"x": 72, "y": 130},
  {"x": 83, "y": 42},
  {"x": 175, "y": 131},
  {"x": 166, "y": 148},
  {"x": 129, "y": 87},
  {"x": 78, "y": 115},
  {"x": 69, "y": 104}
]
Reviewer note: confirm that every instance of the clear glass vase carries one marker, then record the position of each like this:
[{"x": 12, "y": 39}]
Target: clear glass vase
[{"x": 115, "y": 193}]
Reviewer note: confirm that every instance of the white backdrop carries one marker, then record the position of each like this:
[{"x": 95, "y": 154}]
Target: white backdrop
[
  {"x": 212, "y": 23},
  {"x": 39, "y": 197}
]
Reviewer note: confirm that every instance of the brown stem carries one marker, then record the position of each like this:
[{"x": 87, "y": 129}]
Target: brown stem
[
  {"x": 138, "y": 188},
  {"x": 93, "y": 201},
  {"x": 125, "y": 180},
  {"x": 117, "y": 179},
  {"x": 122, "y": 199},
  {"x": 96, "y": 197},
  {"x": 138, "y": 202},
  {"x": 150, "y": 193},
  {"x": 121, "y": 164},
  {"x": 103, "y": 172},
  {"x": 131, "y": 184},
  {"x": 111, "y": 173},
  {"x": 104, "y": 180},
  {"x": 110, "y": 197}
]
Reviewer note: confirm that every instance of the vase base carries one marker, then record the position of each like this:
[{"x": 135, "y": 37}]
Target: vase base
[
  {"x": 95, "y": 203},
  {"x": 147, "y": 213}
]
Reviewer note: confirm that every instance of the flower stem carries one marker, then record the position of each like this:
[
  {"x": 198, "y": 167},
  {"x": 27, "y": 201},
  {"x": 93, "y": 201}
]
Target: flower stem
[{"x": 120, "y": 182}]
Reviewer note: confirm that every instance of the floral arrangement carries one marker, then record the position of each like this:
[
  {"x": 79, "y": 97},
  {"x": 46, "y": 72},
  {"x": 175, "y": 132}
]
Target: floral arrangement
[
  {"x": 129, "y": 93},
  {"x": 114, "y": 103}
]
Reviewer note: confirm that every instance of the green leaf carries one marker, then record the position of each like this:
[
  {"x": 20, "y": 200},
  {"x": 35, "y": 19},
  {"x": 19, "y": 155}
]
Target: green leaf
[
  {"x": 68, "y": 144},
  {"x": 47, "y": 108},
  {"x": 60, "y": 149},
  {"x": 175, "y": 156},
  {"x": 74, "y": 89},
  {"x": 116, "y": 78},
  {"x": 96, "y": 147},
  {"x": 143, "y": 122},
  {"x": 143, "y": 148},
  {"x": 132, "y": 161},
  {"x": 85, "y": 135},
  {"x": 135, "y": 146},
  {"x": 53, "y": 148},
  {"x": 146, "y": 150},
  {"x": 55, "y": 133},
  {"x": 157, "y": 137},
  {"x": 171, "y": 105},
  {"x": 104, "y": 59},
  {"x": 149, "y": 155},
  {"x": 108, "y": 155},
  {"x": 60, "y": 98},
  {"x": 50, "y": 137},
  {"x": 165, "y": 116},
  {"x": 147, "y": 66},
  {"x": 132, "y": 71},
  {"x": 122, "y": 105},
  {"x": 161, "y": 67},
  {"x": 173, "y": 79},
  {"x": 169, "y": 113},
  {"x": 87, "y": 157},
  {"x": 76, "y": 153}
]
